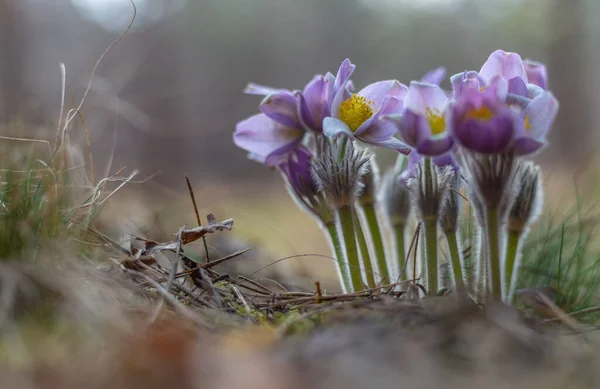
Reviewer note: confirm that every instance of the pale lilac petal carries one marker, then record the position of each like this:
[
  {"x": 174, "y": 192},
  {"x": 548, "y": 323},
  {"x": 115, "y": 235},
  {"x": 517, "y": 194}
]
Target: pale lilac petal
[
  {"x": 389, "y": 143},
  {"x": 343, "y": 75},
  {"x": 497, "y": 88},
  {"x": 262, "y": 137},
  {"x": 330, "y": 81},
  {"x": 333, "y": 128},
  {"x": 256, "y": 89},
  {"x": 377, "y": 129},
  {"x": 508, "y": 65},
  {"x": 435, "y": 76},
  {"x": 541, "y": 113},
  {"x": 282, "y": 107},
  {"x": 536, "y": 73},
  {"x": 378, "y": 91},
  {"x": 422, "y": 97}
]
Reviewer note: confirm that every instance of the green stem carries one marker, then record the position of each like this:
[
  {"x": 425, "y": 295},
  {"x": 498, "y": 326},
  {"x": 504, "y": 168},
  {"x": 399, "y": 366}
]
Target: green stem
[
  {"x": 377, "y": 239},
  {"x": 494, "y": 253},
  {"x": 364, "y": 251},
  {"x": 399, "y": 232},
  {"x": 431, "y": 254},
  {"x": 455, "y": 259},
  {"x": 338, "y": 250},
  {"x": 512, "y": 247},
  {"x": 344, "y": 215}
]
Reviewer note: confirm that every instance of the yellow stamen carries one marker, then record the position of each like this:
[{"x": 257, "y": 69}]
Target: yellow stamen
[
  {"x": 527, "y": 122},
  {"x": 355, "y": 111},
  {"x": 481, "y": 113},
  {"x": 436, "y": 121}
]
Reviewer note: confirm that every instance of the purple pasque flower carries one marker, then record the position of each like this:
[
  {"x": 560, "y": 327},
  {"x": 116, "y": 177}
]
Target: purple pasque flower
[
  {"x": 521, "y": 85},
  {"x": 266, "y": 140},
  {"x": 360, "y": 115},
  {"x": 482, "y": 122},
  {"x": 424, "y": 124}
]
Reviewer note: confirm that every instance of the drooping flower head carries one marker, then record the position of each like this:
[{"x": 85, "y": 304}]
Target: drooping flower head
[
  {"x": 424, "y": 122},
  {"x": 360, "y": 115}
]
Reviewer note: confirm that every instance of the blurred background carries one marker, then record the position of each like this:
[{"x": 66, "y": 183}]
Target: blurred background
[{"x": 168, "y": 96}]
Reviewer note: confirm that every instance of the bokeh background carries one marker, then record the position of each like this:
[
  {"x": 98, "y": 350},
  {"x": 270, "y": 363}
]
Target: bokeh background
[{"x": 168, "y": 96}]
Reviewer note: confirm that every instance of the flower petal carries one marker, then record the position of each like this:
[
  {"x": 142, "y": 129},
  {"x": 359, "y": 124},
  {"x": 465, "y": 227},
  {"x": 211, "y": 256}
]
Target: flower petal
[
  {"x": 489, "y": 137},
  {"x": 422, "y": 97},
  {"x": 378, "y": 91},
  {"x": 508, "y": 65},
  {"x": 263, "y": 137},
  {"x": 517, "y": 86},
  {"x": 434, "y": 147},
  {"x": 464, "y": 80},
  {"x": 540, "y": 114},
  {"x": 390, "y": 143},
  {"x": 256, "y": 89},
  {"x": 536, "y": 73},
  {"x": 343, "y": 75},
  {"x": 527, "y": 146},
  {"x": 435, "y": 76},
  {"x": 313, "y": 101},
  {"x": 282, "y": 107},
  {"x": 333, "y": 128}
]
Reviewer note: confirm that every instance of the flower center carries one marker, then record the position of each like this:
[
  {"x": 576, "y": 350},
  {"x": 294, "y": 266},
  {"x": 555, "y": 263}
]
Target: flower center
[
  {"x": 436, "y": 121},
  {"x": 355, "y": 111},
  {"x": 527, "y": 122},
  {"x": 482, "y": 113}
]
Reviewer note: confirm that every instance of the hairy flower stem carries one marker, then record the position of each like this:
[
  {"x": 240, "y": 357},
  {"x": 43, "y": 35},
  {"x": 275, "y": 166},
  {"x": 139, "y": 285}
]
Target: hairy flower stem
[
  {"x": 493, "y": 245},
  {"x": 431, "y": 254},
  {"x": 512, "y": 248},
  {"x": 399, "y": 232},
  {"x": 364, "y": 251},
  {"x": 455, "y": 259},
  {"x": 377, "y": 239},
  {"x": 430, "y": 222},
  {"x": 338, "y": 250},
  {"x": 346, "y": 222}
]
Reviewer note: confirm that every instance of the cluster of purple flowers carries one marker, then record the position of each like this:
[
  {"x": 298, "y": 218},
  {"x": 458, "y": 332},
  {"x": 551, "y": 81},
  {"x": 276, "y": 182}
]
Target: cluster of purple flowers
[
  {"x": 503, "y": 108},
  {"x": 484, "y": 126}
]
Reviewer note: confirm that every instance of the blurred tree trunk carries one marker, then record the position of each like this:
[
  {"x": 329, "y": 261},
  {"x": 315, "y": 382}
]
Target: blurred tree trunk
[
  {"x": 570, "y": 82},
  {"x": 11, "y": 59}
]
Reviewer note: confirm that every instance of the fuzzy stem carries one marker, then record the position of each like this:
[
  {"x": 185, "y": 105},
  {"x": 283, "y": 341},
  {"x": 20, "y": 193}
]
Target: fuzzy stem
[
  {"x": 431, "y": 254},
  {"x": 455, "y": 259},
  {"x": 377, "y": 240},
  {"x": 344, "y": 216},
  {"x": 512, "y": 249},
  {"x": 399, "y": 232},
  {"x": 430, "y": 222},
  {"x": 364, "y": 251},
  {"x": 494, "y": 253},
  {"x": 338, "y": 250}
]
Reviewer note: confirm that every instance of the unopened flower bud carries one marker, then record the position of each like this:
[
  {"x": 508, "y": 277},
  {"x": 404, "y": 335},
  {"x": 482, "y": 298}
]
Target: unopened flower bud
[{"x": 527, "y": 202}]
